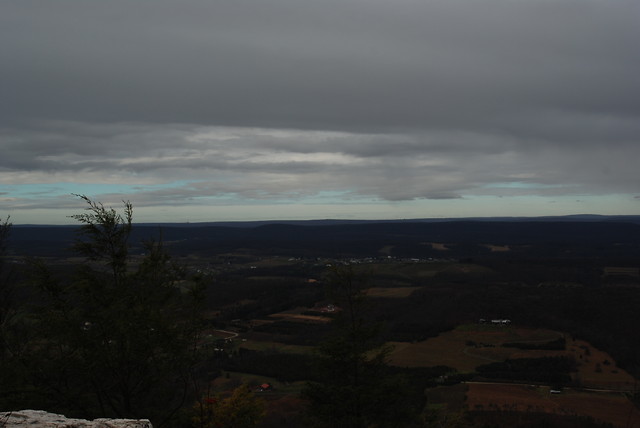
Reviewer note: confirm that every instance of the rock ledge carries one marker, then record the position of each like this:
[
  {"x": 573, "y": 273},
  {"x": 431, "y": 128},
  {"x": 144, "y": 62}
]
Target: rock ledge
[{"x": 40, "y": 418}]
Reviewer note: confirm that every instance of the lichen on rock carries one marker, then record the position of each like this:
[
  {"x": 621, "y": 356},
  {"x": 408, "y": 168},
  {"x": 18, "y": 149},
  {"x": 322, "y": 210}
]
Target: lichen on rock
[{"x": 43, "y": 419}]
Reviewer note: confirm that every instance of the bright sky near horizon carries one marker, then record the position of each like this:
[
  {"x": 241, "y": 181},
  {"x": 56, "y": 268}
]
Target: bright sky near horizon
[{"x": 200, "y": 110}]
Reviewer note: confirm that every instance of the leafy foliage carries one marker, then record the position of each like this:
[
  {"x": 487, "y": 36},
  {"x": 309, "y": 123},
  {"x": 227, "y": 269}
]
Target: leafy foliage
[
  {"x": 11, "y": 337},
  {"x": 240, "y": 410},
  {"x": 5, "y": 289},
  {"x": 119, "y": 339}
]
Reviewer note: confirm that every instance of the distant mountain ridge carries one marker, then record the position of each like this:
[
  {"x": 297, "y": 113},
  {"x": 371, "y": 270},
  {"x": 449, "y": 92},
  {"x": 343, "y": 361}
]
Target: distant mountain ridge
[
  {"x": 579, "y": 233},
  {"x": 330, "y": 222}
]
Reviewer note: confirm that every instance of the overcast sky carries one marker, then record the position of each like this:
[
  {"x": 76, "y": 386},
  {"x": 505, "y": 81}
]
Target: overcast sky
[{"x": 213, "y": 110}]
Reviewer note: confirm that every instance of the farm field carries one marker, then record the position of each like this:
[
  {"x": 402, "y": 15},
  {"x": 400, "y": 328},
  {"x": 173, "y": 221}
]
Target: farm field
[
  {"x": 597, "y": 369},
  {"x": 422, "y": 270},
  {"x": 272, "y": 346},
  {"x": 612, "y": 408},
  {"x": 469, "y": 346},
  {"x": 301, "y": 317},
  {"x": 454, "y": 348}
]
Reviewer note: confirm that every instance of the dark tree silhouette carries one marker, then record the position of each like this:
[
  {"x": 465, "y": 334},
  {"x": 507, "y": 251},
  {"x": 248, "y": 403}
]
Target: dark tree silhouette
[
  {"x": 357, "y": 389},
  {"x": 117, "y": 340}
]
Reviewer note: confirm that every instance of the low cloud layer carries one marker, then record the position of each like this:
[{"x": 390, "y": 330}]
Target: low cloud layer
[{"x": 175, "y": 103}]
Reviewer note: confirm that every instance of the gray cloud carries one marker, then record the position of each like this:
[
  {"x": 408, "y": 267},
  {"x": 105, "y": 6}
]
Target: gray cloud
[
  {"x": 327, "y": 65},
  {"x": 262, "y": 163},
  {"x": 391, "y": 100}
]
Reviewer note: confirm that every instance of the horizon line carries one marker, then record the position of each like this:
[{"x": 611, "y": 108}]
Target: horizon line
[{"x": 360, "y": 220}]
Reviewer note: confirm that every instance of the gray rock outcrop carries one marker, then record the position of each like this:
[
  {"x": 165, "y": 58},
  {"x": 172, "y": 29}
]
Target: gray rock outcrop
[{"x": 40, "y": 418}]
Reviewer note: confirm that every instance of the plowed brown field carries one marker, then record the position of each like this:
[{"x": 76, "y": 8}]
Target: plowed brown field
[{"x": 612, "y": 408}]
